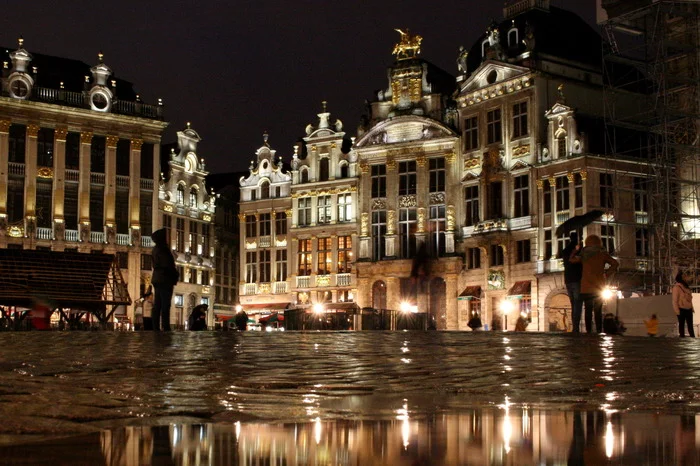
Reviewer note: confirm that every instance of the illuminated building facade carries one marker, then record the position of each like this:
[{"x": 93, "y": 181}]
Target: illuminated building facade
[
  {"x": 188, "y": 211},
  {"x": 78, "y": 162}
]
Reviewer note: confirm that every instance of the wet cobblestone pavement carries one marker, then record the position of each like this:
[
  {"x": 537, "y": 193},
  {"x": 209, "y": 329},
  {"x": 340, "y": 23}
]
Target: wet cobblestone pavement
[{"x": 77, "y": 383}]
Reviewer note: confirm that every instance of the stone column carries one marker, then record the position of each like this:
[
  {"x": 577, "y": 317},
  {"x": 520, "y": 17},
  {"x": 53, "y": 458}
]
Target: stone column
[
  {"x": 30, "y": 167},
  {"x": 110, "y": 193},
  {"x": 553, "y": 221},
  {"x": 241, "y": 253},
  {"x": 452, "y": 190},
  {"x": 84, "y": 185},
  {"x": 156, "y": 221},
  {"x": 59, "y": 184},
  {"x": 362, "y": 212},
  {"x": 4, "y": 165},
  {"x": 135, "y": 192},
  {"x": 540, "y": 221},
  {"x": 391, "y": 243},
  {"x": 451, "y": 302}
]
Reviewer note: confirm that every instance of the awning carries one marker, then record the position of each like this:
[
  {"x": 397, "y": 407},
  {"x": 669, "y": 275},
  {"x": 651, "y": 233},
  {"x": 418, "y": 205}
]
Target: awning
[
  {"x": 520, "y": 289},
  {"x": 223, "y": 317},
  {"x": 264, "y": 306},
  {"x": 471, "y": 292}
]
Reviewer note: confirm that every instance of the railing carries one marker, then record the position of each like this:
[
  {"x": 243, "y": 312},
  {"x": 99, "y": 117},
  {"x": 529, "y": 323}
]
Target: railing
[
  {"x": 343, "y": 279},
  {"x": 517, "y": 7},
  {"x": 146, "y": 183},
  {"x": 147, "y": 242},
  {"x": 304, "y": 282},
  {"x": 123, "y": 239},
  {"x": 264, "y": 241},
  {"x": 520, "y": 223},
  {"x": 180, "y": 210},
  {"x": 72, "y": 175},
  {"x": 16, "y": 168},
  {"x": 79, "y": 99},
  {"x": 44, "y": 233},
  {"x": 562, "y": 217},
  {"x": 45, "y": 94},
  {"x": 122, "y": 181},
  {"x": 72, "y": 235},
  {"x": 97, "y": 237},
  {"x": 641, "y": 218},
  {"x": 137, "y": 108},
  {"x": 279, "y": 287},
  {"x": 468, "y": 231},
  {"x": 97, "y": 178},
  {"x": 249, "y": 289}
]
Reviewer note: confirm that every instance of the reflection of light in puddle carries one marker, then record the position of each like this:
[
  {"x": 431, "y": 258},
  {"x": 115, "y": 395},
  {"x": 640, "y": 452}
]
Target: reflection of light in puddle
[
  {"x": 611, "y": 396},
  {"x": 317, "y": 430},
  {"x": 507, "y": 426},
  {"x": 405, "y": 360},
  {"x": 237, "y": 425},
  {"x": 609, "y": 439},
  {"x": 402, "y": 414}
]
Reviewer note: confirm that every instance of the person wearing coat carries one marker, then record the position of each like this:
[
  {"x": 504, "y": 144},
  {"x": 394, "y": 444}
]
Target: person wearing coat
[
  {"x": 593, "y": 278},
  {"x": 165, "y": 276},
  {"x": 682, "y": 299}
]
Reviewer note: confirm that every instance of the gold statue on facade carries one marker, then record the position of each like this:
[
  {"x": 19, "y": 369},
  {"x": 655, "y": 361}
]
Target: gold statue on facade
[{"x": 408, "y": 47}]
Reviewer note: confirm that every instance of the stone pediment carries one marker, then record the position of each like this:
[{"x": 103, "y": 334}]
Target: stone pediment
[
  {"x": 519, "y": 165},
  {"x": 405, "y": 129},
  {"x": 558, "y": 109},
  {"x": 492, "y": 73}
]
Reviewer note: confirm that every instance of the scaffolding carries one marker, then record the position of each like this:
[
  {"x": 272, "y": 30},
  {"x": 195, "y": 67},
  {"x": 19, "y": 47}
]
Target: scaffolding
[{"x": 651, "y": 71}]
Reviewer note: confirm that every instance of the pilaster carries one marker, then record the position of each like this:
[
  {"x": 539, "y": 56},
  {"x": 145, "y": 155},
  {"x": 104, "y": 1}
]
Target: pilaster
[
  {"x": 110, "y": 193},
  {"x": 84, "y": 178},
  {"x": 30, "y": 171},
  {"x": 59, "y": 184},
  {"x": 135, "y": 184},
  {"x": 4, "y": 163}
]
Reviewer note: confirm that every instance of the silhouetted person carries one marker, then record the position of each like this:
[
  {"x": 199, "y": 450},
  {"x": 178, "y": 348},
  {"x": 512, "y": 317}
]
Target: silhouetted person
[
  {"x": 572, "y": 279},
  {"x": 241, "y": 321},
  {"x": 593, "y": 278},
  {"x": 682, "y": 299},
  {"x": 577, "y": 442},
  {"x": 164, "y": 278},
  {"x": 198, "y": 318}
]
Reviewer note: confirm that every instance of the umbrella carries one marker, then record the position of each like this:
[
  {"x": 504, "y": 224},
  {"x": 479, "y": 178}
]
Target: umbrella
[{"x": 577, "y": 222}]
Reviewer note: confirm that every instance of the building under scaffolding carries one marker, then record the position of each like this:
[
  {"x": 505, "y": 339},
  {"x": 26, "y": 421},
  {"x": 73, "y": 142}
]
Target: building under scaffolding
[{"x": 652, "y": 68}]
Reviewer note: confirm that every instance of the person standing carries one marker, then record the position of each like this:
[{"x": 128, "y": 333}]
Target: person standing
[
  {"x": 572, "y": 280},
  {"x": 682, "y": 299},
  {"x": 593, "y": 278},
  {"x": 164, "y": 278}
]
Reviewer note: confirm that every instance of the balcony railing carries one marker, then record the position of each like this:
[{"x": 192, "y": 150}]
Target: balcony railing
[
  {"x": 97, "y": 237},
  {"x": 304, "y": 282},
  {"x": 146, "y": 184},
  {"x": 72, "y": 175},
  {"x": 44, "y": 233},
  {"x": 343, "y": 279},
  {"x": 519, "y": 223},
  {"x": 16, "y": 168},
  {"x": 323, "y": 280},
  {"x": 122, "y": 181},
  {"x": 249, "y": 289},
  {"x": 147, "y": 242},
  {"x": 562, "y": 217},
  {"x": 97, "y": 178},
  {"x": 123, "y": 239},
  {"x": 72, "y": 235},
  {"x": 279, "y": 287}
]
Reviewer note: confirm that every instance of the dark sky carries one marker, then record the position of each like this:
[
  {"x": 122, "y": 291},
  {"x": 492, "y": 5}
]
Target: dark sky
[{"x": 239, "y": 67}]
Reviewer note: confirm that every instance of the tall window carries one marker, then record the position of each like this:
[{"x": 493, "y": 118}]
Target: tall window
[
  {"x": 437, "y": 174},
  {"x": 607, "y": 234},
  {"x": 473, "y": 258},
  {"x": 547, "y": 197},
  {"x": 265, "y": 224},
  {"x": 496, "y": 256},
  {"x": 378, "y": 181},
  {"x": 407, "y": 178},
  {"x": 561, "y": 146},
  {"x": 265, "y": 273},
  {"x": 323, "y": 209},
  {"x": 547, "y": 244},
  {"x": 44, "y": 147},
  {"x": 493, "y": 126},
  {"x": 304, "y": 212},
  {"x": 471, "y": 133},
  {"x": 281, "y": 265},
  {"x": 73, "y": 152},
  {"x": 562, "y": 187},
  {"x": 562, "y": 240},
  {"x": 323, "y": 255},
  {"x": 521, "y": 195},
  {"x": 97, "y": 154},
  {"x": 523, "y": 250},
  {"x": 251, "y": 226},
  {"x": 265, "y": 190},
  {"x": 641, "y": 236},
  {"x": 578, "y": 190},
  {"x": 344, "y": 207},
  {"x": 17, "y": 140},
  {"x": 280, "y": 223},
  {"x": 124, "y": 157},
  {"x": 193, "y": 237},
  {"x": 193, "y": 198},
  {"x": 407, "y": 229},
  {"x": 344, "y": 254},
  {"x": 378, "y": 234},
  {"x": 70, "y": 202},
  {"x": 437, "y": 225},
  {"x": 344, "y": 167},
  {"x": 495, "y": 200},
  {"x": 180, "y": 234},
  {"x": 122, "y": 210},
  {"x": 97, "y": 213},
  {"x": 606, "y": 190},
  {"x": 323, "y": 169},
  {"x": 520, "y": 120},
  {"x": 251, "y": 267},
  {"x": 205, "y": 238},
  {"x": 641, "y": 199},
  {"x": 304, "y": 172},
  {"x": 471, "y": 205},
  {"x": 44, "y": 202},
  {"x": 180, "y": 194},
  {"x": 304, "y": 257}
]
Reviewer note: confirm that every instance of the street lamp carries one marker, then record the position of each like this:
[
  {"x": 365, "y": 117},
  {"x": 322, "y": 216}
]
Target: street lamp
[
  {"x": 319, "y": 308},
  {"x": 239, "y": 308},
  {"x": 507, "y": 307},
  {"x": 407, "y": 307}
]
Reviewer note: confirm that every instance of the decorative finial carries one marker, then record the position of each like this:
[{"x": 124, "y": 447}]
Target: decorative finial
[
  {"x": 138, "y": 98},
  {"x": 35, "y": 69},
  {"x": 21, "y": 41},
  {"x": 114, "y": 83},
  {"x": 101, "y": 57},
  {"x": 560, "y": 90},
  {"x": 324, "y": 103},
  {"x": 408, "y": 46},
  {"x": 265, "y": 137},
  {"x": 188, "y": 125},
  {"x": 87, "y": 78},
  {"x": 296, "y": 150}
]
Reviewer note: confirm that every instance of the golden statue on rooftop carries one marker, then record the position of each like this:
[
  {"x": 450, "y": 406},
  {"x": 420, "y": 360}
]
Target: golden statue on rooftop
[{"x": 408, "y": 47}]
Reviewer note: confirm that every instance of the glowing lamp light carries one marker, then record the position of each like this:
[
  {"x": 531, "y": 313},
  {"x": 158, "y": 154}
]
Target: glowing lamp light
[
  {"x": 407, "y": 307},
  {"x": 608, "y": 293},
  {"x": 506, "y": 306},
  {"x": 318, "y": 308},
  {"x": 239, "y": 308}
]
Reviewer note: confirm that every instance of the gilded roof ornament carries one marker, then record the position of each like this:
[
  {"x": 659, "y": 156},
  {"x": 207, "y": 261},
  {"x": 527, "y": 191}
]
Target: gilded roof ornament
[{"x": 408, "y": 46}]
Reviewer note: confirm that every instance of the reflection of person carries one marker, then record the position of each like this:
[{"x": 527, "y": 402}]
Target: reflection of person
[
  {"x": 164, "y": 278},
  {"x": 593, "y": 278},
  {"x": 682, "y": 299},
  {"x": 577, "y": 442},
  {"x": 652, "y": 325},
  {"x": 685, "y": 441},
  {"x": 572, "y": 279}
]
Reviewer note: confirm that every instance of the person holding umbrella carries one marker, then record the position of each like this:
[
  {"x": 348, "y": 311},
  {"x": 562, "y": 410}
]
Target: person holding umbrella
[
  {"x": 572, "y": 280},
  {"x": 593, "y": 278}
]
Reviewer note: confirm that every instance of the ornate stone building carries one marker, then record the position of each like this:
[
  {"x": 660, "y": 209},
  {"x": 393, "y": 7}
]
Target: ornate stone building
[
  {"x": 188, "y": 214},
  {"x": 78, "y": 162}
]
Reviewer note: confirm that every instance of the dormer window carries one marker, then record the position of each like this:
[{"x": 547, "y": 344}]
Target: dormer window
[
  {"x": 265, "y": 190},
  {"x": 344, "y": 170},
  {"x": 180, "y": 195},
  {"x": 323, "y": 169},
  {"x": 193, "y": 197},
  {"x": 304, "y": 176},
  {"x": 513, "y": 37}
]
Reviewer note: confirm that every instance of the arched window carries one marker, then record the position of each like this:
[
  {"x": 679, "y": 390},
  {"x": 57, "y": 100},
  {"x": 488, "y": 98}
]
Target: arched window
[
  {"x": 265, "y": 190},
  {"x": 193, "y": 197},
  {"x": 513, "y": 38},
  {"x": 379, "y": 295},
  {"x": 323, "y": 169},
  {"x": 484, "y": 44},
  {"x": 180, "y": 194},
  {"x": 344, "y": 170},
  {"x": 561, "y": 146},
  {"x": 304, "y": 175}
]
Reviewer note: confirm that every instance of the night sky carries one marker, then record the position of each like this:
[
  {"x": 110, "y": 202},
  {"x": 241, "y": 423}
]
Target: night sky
[{"x": 237, "y": 68}]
